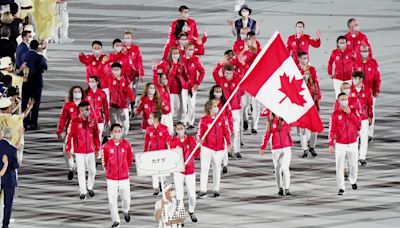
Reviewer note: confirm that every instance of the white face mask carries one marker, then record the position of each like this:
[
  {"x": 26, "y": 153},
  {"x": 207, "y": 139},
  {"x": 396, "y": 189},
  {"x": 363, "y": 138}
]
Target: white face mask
[
  {"x": 356, "y": 81},
  {"x": 175, "y": 57},
  {"x": 189, "y": 53},
  {"x": 215, "y": 110},
  {"x": 299, "y": 30},
  {"x": 346, "y": 91},
  {"x": 180, "y": 133},
  {"x": 97, "y": 51},
  {"x": 86, "y": 113},
  {"x": 364, "y": 54},
  {"x": 245, "y": 13},
  {"x": 93, "y": 85},
  {"x": 118, "y": 49},
  {"x": 77, "y": 96},
  {"x": 152, "y": 91},
  {"x": 357, "y": 28},
  {"x": 229, "y": 76},
  {"x": 116, "y": 73},
  {"x": 127, "y": 41},
  {"x": 117, "y": 135},
  {"x": 185, "y": 15},
  {"x": 344, "y": 103},
  {"x": 217, "y": 95},
  {"x": 342, "y": 46},
  {"x": 150, "y": 121}
]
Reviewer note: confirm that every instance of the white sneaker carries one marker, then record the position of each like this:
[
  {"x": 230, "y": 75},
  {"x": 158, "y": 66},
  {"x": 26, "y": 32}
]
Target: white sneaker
[{"x": 66, "y": 40}]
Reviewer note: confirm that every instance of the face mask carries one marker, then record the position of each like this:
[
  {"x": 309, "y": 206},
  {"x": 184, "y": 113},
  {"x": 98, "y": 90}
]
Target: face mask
[
  {"x": 346, "y": 91},
  {"x": 304, "y": 61},
  {"x": 185, "y": 15},
  {"x": 245, "y": 13},
  {"x": 183, "y": 42},
  {"x": 228, "y": 76},
  {"x": 164, "y": 82},
  {"x": 93, "y": 85},
  {"x": 344, "y": 103},
  {"x": 185, "y": 28},
  {"x": 215, "y": 110},
  {"x": 117, "y": 135},
  {"x": 152, "y": 91},
  {"x": 189, "y": 53},
  {"x": 172, "y": 194},
  {"x": 175, "y": 57},
  {"x": 97, "y": 52},
  {"x": 356, "y": 81},
  {"x": 243, "y": 36},
  {"x": 116, "y": 73},
  {"x": 299, "y": 30},
  {"x": 77, "y": 96},
  {"x": 218, "y": 95},
  {"x": 306, "y": 76},
  {"x": 180, "y": 133},
  {"x": 150, "y": 121},
  {"x": 341, "y": 46},
  {"x": 365, "y": 54},
  {"x": 127, "y": 41},
  {"x": 86, "y": 113},
  {"x": 118, "y": 49},
  {"x": 357, "y": 28}
]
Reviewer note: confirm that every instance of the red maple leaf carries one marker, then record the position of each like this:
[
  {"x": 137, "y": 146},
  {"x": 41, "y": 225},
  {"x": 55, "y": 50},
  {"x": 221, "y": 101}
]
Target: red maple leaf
[{"x": 292, "y": 90}]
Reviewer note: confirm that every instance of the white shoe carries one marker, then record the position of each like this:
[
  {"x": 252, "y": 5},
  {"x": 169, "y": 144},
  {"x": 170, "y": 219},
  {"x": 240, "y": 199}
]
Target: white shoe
[{"x": 66, "y": 40}]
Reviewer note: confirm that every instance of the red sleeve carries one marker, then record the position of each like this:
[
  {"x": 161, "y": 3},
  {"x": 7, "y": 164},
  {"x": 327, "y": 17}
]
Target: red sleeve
[
  {"x": 227, "y": 133},
  {"x": 106, "y": 109},
  {"x": 265, "y": 140},
  {"x": 70, "y": 136},
  {"x": 139, "y": 62},
  {"x": 216, "y": 75},
  {"x": 200, "y": 69},
  {"x": 155, "y": 79},
  {"x": 289, "y": 41},
  {"x": 115, "y": 57},
  {"x": 330, "y": 63},
  {"x": 62, "y": 120},
  {"x": 167, "y": 47},
  {"x": 194, "y": 28},
  {"x": 139, "y": 107},
  {"x": 369, "y": 104},
  {"x": 314, "y": 42},
  {"x": 315, "y": 78},
  {"x": 377, "y": 81},
  {"x": 96, "y": 139},
  {"x": 105, "y": 157},
  {"x": 332, "y": 130},
  {"x": 129, "y": 93},
  {"x": 200, "y": 130},
  {"x": 355, "y": 118},
  {"x": 199, "y": 49},
  {"x": 146, "y": 140},
  {"x": 171, "y": 34},
  {"x": 85, "y": 59},
  {"x": 193, "y": 145},
  {"x": 130, "y": 155}
]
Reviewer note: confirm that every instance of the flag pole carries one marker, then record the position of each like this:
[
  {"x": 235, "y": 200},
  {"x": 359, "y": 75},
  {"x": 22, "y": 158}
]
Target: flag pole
[{"x": 233, "y": 94}]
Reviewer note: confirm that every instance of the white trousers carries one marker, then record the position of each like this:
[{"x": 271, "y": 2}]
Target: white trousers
[
  {"x": 246, "y": 101},
  {"x": 364, "y": 139},
  {"x": 167, "y": 120},
  {"x": 115, "y": 188},
  {"x": 156, "y": 181},
  {"x": 337, "y": 84},
  {"x": 236, "y": 115},
  {"x": 121, "y": 116},
  {"x": 62, "y": 13},
  {"x": 176, "y": 106},
  {"x": 372, "y": 126},
  {"x": 281, "y": 159},
  {"x": 69, "y": 160},
  {"x": 191, "y": 109},
  {"x": 208, "y": 157},
  {"x": 307, "y": 138},
  {"x": 190, "y": 181},
  {"x": 85, "y": 162},
  {"x": 101, "y": 129},
  {"x": 341, "y": 151}
]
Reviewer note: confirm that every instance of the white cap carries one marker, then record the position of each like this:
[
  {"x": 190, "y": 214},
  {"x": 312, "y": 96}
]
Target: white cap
[
  {"x": 5, "y": 62},
  {"x": 5, "y": 102}
]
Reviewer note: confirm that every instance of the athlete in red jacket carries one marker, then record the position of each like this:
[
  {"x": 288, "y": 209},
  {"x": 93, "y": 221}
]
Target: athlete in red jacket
[
  {"x": 355, "y": 38},
  {"x": 181, "y": 43},
  {"x": 148, "y": 103},
  {"x": 94, "y": 63},
  {"x": 301, "y": 42},
  {"x": 344, "y": 126},
  {"x": 117, "y": 160},
  {"x": 278, "y": 134},
  {"x": 83, "y": 137}
]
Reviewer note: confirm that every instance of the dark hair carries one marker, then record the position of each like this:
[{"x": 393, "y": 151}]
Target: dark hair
[
  {"x": 5, "y": 31},
  {"x": 212, "y": 97},
  {"x": 301, "y": 53},
  {"x": 25, "y": 33},
  {"x": 341, "y": 94},
  {"x": 116, "y": 41},
  {"x": 34, "y": 45},
  {"x": 349, "y": 21},
  {"x": 229, "y": 67},
  {"x": 358, "y": 74},
  {"x": 97, "y": 80},
  {"x": 12, "y": 91},
  {"x": 13, "y": 8},
  {"x": 7, "y": 80},
  {"x": 300, "y": 22},
  {"x": 182, "y": 8},
  {"x": 116, "y": 64},
  {"x": 83, "y": 104},
  {"x": 340, "y": 38},
  {"x": 115, "y": 125},
  {"x": 97, "y": 42},
  {"x": 178, "y": 27},
  {"x": 182, "y": 34},
  {"x": 228, "y": 52},
  {"x": 71, "y": 92},
  {"x": 251, "y": 33},
  {"x": 179, "y": 123},
  {"x": 157, "y": 115}
]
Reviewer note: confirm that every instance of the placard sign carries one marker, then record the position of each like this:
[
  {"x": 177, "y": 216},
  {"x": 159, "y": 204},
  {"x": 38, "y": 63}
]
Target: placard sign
[{"x": 160, "y": 162}]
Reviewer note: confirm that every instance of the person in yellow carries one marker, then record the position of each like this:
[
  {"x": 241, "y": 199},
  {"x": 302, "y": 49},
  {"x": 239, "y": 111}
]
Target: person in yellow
[
  {"x": 6, "y": 68},
  {"x": 46, "y": 19}
]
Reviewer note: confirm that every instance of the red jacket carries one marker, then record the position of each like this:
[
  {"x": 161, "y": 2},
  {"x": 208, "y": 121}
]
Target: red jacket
[
  {"x": 219, "y": 133},
  {"x": 120, "y": 92},
  {"x": 135, "y": 60},
  {"x": 156, "y": 138},
  {"x": 343, "y": 64},
  {"x": 187, "y": 146},
  {"x": 176, "y": 74},
  {"x": 146, "y": 106},
  {"x": 94, "y": 66},
  {"x": 192, "y": 30},
  {"x": 249, "y": 56},
  {"x": 280, "y": 137},
  {"x": 229, "y": 86},
  {"x": 372, "y": 77},
  {"x": 117, "y": 159},
  {"x": 315, "y": 93},
  {"x": 121, "y": 58},
  {"x": 343, "y": 127},
  {"x": 163, "y": 92},
  {"x": 194, "y": 70},
  {"x": 227, "y": 115},
  {"x": 354, "y": 43},
  {"x": 69, "y": 111},
  {"x": 198, "y": 48},
  {"x": 99, "y": 104},
  {"x": 364, "y": 100},
  {"x": 84, "y": 134},
  {"x": 295, "y": 45}
]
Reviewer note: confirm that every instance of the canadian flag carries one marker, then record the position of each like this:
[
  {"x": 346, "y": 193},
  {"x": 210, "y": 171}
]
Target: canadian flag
[{"x": 275, "y": 81}]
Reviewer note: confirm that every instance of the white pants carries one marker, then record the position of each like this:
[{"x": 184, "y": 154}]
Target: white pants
[
  {"x": 176, "y": 105},
  {"x": 184, "y": 106},
  {"x": 191, "y": 109},
  {"x": 101, "y": 129},
  {"x": 190, "y": 181},
  {"x": 247, "y": 99},
  {"x": 115, "y": 188},
  {"x": 121, "y": 116},
  {"x": 207, "y": 157},
  {"x": 307, "y": 138},
  {"x": 85, "y": 162},
  {"x": 156, "y": 181},
  {"x": 69, "y": 160},
  {"x": 341, "y": 151},
  {"x": 167, "y": 120},
  {"x": 281, "y": 159},
  {"x": 364, "y": 139},
  {"x": 372, "y": 126},
  {"x": 236, "y": 115},
  {"x": 337, "y": 84},
  {"x": 62, "y": 31}
]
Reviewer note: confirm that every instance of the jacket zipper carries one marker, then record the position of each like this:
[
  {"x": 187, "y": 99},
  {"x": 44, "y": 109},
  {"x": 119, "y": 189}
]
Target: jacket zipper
[
  {"x": 342, "y": 66},
  {"x": 347, "y": 130}
]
